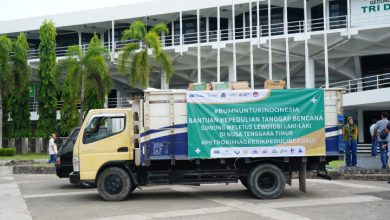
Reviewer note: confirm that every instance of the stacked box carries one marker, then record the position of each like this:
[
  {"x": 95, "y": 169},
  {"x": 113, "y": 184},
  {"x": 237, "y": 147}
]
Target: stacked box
[
  {"x": 274, "y": 84},
  {"x": 243, "y": 85},
  {"x": 220, "y": 86},
  {"x": 199, "y": 86}
]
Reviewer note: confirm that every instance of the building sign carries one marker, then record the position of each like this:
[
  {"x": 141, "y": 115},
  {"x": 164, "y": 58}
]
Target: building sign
[
  {"x": 31, "y": 89},
  {"x": 369, "y": 12},
  {"x": 256, "y": 123}
]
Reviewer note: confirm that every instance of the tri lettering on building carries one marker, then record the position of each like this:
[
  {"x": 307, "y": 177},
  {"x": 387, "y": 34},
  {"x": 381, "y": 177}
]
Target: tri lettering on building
[{"x": 376, "y": 6}]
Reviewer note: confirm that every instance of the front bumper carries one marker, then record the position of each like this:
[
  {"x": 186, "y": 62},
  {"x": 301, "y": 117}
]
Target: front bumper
[{"x": 74, "y": 177}]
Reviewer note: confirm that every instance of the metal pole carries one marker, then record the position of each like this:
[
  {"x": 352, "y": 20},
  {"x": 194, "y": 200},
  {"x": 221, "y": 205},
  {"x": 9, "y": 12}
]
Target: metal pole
[
  {"x": 349, "y": 18},
  {"x": 258, "y": 24},
  {"x": 307, "y": 74},
  {"x": 198, "y": 37},
  {"x": 234, "y": 43},
  {"x": 218, "y": 42},
  {"x": 250, "y": 45},
  {"x": 112, "y": 40},
  {"x": 326, "y": 45},
  {"x": 287, "y": 45},
  {"x": 181, "y": 33},
  {"x": 269, "y": 42}
]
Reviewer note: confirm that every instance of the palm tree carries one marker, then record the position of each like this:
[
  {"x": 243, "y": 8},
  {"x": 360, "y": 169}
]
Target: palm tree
[
  {"x": 87, "y": 77},
  {"x": 5, "y": 75},
  {"x": 136, "y": 62}
]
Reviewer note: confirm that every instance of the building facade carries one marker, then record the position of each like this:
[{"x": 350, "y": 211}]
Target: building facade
[{"x": 307, "y": 43}]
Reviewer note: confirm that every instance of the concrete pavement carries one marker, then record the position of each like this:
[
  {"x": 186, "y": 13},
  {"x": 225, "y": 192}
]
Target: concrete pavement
[
  {"x": 12, "y": 204},
  {"x": 48, "y": 197}
]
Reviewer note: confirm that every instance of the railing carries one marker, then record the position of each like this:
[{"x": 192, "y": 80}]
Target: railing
[
  {"x": 363, "y": 84},
  {"x": 294, "y": 27},
  {"x": 122, "y": 102}
]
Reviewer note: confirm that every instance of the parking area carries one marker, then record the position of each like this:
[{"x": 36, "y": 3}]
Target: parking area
[{"x": 47, "y": 197}]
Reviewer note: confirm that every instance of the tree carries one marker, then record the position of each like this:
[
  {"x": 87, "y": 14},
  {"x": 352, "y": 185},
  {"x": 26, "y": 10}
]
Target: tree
[
  {"x": 87, "y": 81},
  {"x": 5, "y": 86},
  {"x": 20, "y": 112},
  {"x": 137, "y": 64},
  {"x": 47, "y": 85}
]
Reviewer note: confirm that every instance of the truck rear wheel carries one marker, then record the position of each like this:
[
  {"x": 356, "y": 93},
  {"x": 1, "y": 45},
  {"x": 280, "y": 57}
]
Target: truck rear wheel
[
  {"x": 114, "y": 184},
  {"x": 266, "y": 181}
]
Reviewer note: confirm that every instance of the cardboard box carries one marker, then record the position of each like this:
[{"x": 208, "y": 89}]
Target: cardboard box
[
  {"x": 274, "y": 84},
  {"x": 199, "y": 86},
  {"x": 220, "y": 86},
  {"x": 243, "y": 85}
]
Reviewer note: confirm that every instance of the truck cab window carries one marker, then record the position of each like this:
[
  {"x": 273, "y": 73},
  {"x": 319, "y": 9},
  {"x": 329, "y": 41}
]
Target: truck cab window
[{"x": 103, "y": 126}]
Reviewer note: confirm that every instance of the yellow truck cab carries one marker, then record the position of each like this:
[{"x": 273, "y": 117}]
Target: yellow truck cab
[{"x": 257, "y": 137}]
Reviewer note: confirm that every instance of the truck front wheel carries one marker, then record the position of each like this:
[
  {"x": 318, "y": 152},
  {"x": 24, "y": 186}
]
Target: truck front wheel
[
  {"x": 114, "y": 184},
  {"x": 266, "y": 181}
]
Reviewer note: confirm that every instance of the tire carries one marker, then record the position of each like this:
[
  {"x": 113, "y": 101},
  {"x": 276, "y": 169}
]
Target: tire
[
  {"x": 244, "y": 181},
  {"x": 266, "y": 181},
  {"x": 114, "y": 184}
]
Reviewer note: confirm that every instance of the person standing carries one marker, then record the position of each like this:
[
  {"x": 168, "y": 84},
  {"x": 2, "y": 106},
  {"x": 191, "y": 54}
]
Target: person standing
[
  {"x": 379, "y": 127},
  {"x": 52, "y": 149},
  {"x": 350, "y": 133},
  {"x": 374, "y": 147}
]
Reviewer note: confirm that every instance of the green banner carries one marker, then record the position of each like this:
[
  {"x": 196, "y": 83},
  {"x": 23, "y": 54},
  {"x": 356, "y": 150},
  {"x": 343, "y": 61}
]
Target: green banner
[
  {"x": 31, "y": 89},
  {"x": 256, "y": 123}
]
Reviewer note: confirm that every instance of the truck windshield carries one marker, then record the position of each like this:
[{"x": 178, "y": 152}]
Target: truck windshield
[{"x": 101, "y": 127}]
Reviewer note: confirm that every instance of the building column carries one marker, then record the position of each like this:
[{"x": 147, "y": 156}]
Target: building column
[
  {"x": 113, "y": 40},
  {"x": 198, "y": 40},
  {"x": 207, "y": 29},
  {"x": 181, "y": 32},
  {"x": 285, "y": 29},
  {"x": 173, "y": 33},
  {"x": 310, "y": 76},
  {"x": 164, "y": 84},
  {"x": 251, "y": 47},
  {"x": 358, "y": 71},
  {"x": 102, "y": 37},
  {"x": 360, "y": 120},
  {"x": 269, "y": 42},
  {"x": 308, "y": 83},
  {"x": 234, "y": 44},
  {"x": 231, "y": 73},
  {"x": 219, "y": 45},
  {"x": 326, "y": 59},
  {"x": 109, "y": 40}
]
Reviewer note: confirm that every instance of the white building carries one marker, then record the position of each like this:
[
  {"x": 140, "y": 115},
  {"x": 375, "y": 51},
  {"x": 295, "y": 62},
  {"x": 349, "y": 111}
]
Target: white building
[{"x": 236, "y": 40}]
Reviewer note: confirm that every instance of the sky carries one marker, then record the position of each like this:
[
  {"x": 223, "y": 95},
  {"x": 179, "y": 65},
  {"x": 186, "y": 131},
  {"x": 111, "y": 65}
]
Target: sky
[{"x": 17, "y": 9}]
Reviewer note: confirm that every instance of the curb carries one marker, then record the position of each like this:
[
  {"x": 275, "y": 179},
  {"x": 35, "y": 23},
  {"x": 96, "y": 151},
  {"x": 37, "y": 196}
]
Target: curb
[{"x": 28, "y": 169}]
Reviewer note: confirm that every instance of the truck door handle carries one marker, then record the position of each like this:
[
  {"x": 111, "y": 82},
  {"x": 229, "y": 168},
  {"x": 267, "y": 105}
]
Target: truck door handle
[{"x": 123, "y": 149}]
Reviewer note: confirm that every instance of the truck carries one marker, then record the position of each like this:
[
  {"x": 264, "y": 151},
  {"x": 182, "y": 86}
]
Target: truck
[{"x": 257, "y": 137}]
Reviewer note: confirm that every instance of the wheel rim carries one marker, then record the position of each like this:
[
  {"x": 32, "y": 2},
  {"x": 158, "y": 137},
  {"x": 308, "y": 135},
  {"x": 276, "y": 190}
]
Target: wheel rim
[
  {"x": 113, "y": 184},
  {"x": 267, "y": 182}
]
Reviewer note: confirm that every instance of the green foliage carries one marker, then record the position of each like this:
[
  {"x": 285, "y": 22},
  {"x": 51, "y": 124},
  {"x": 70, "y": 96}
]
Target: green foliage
[
  {"x": 87, "y": 80},
  {"x": 5, "y": 77},
  {"x": 47, "y": 87},
  {"x": 97, "y": 78},
  {"x": 20, "y": 112},
  {"x": 7, "y": 152},
  {"x": 137, "y": 64}
]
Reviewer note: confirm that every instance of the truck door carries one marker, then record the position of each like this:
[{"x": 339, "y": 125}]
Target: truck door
[{"x": 106, "y": 138}]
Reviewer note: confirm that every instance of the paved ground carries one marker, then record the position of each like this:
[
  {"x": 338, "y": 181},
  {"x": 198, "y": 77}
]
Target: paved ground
[
  {"x": 47, "y": 197},
  {"x": 369, "y": 162}
]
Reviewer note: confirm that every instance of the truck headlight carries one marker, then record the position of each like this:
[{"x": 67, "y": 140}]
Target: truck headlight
[{"x": 76, "y": 163}]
